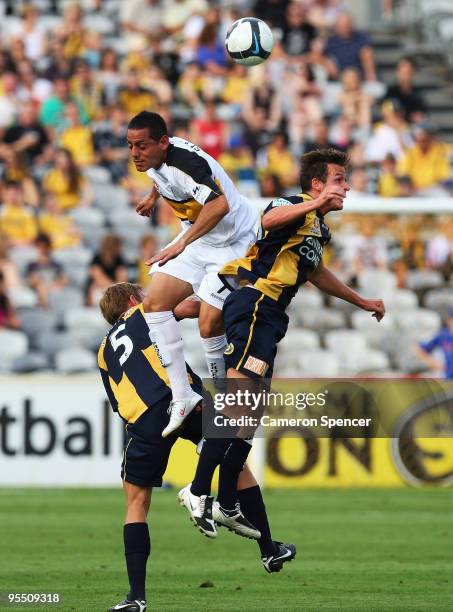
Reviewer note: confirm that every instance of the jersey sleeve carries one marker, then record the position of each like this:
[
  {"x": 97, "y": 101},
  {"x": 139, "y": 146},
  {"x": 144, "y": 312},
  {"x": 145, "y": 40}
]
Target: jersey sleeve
[
  {"x": 279, "y": 202},
  {"x": 198, "y": 180},
  {"x": 432, "y": 344}
]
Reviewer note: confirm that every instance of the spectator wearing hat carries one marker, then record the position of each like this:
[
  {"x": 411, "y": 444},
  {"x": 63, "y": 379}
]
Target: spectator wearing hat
[{"x": 443, "y": 343}]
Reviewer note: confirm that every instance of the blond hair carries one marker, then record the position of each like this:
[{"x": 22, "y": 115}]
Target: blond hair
[{"x": 115, "y": 300}]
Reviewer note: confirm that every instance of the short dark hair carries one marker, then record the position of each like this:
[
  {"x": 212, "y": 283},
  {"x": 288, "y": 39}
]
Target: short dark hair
[
  {"x": 315, "y": 165},
  {"x": 43, "y": 239},
  {"x": 153, "y": 122}
]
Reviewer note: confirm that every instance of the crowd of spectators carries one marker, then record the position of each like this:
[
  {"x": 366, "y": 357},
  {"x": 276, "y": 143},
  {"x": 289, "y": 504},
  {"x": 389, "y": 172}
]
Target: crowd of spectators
[{"x": 73, "y": 73}]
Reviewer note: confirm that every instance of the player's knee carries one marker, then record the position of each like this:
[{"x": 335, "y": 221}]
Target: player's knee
[
  {"x": 152, "y": 303},
  {"x": 139, "y": 498},
  {"x": 210, "y": 323}
]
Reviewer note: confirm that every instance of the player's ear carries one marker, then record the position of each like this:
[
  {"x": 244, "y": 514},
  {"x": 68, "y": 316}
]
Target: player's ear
[
  {"x": 133, "y": 301},
  {"x": 164, "y": 142},
  {"x": 317, "y": 184}
]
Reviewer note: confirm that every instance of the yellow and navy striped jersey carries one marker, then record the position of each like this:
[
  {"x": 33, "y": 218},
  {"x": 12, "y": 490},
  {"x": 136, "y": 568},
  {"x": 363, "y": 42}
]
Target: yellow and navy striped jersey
[
  {"x": 133, "y": 375},
  {"x": 278, "y": 264}
]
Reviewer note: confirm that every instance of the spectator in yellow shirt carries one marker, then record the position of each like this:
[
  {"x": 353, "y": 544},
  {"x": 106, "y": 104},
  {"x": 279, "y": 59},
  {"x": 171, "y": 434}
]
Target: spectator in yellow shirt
[
  {"x": 134, "y": 98},
  {"x": 426, "y": 162},
  {"x": 237, "y": 85},
  {"x": 59, "y": 226},
  {"x": 86, "y": 89},
  {"x": 237, "y": 159},
  {"x": 77, "y": 138},
  {"x": 66, "y": 182},
  {"x": 16, "y": 220},
  {"x": 277, "y": 159}
]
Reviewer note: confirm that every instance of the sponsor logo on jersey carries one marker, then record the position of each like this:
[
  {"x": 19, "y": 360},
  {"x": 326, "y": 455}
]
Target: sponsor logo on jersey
[
  {"x": 256, "y": 365},
  {"x": 229, "y": 349},
  {"x": 280, "y": 202},
  {"x": 316, "y": 228}
]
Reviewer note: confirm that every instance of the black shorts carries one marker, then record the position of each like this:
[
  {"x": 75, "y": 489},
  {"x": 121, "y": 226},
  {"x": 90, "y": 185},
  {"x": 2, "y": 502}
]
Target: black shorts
[
  {"x": 146, "y": 453},
  {"x": 254, "y": 325}
]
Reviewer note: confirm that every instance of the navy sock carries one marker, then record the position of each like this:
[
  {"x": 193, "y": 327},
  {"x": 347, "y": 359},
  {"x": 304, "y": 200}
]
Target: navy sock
[
  {"x": 230, "y": 468},
  {"x": 137, "y": 546},
  {"x": 252, "y": 505},
  {"x": 211, "y": 455}
]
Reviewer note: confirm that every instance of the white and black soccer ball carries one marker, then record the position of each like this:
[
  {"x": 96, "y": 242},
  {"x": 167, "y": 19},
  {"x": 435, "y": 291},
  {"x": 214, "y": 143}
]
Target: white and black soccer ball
[{"x": 249, "y": 41}]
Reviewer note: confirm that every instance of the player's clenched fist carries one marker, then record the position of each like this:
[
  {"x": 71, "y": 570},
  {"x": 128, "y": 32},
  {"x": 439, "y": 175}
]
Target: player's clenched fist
[
  {"x": 376, "y": 307},
  {"x": 146, "y": 204},
  {"x": 333, "y": 194}
]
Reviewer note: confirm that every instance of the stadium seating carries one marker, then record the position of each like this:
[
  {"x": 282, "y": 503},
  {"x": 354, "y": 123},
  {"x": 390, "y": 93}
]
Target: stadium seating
[
  {"x": 64, "y": 300},
  {"x": 318, "y": 363},
  {"x": 34, "y": 361},
  {"x": 110, "y": 198},
  {"x": 14, "y": 344},
  {"x": 50, "y": 343},
  {"x": 38, "y": 321},
  {"x": 419, "y": 324},
  {"x": 23, "y": 297},
  {"x": 74, "y": 360}
]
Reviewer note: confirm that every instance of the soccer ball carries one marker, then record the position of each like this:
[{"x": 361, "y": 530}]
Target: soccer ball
[{"x": 249, "y": 41}]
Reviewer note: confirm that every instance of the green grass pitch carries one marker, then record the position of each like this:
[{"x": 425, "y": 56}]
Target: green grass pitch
[{"x": 357, "y": 550}]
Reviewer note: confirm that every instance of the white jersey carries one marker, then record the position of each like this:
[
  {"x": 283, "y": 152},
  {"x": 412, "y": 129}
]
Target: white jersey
[{"x": 189, "y": 178}]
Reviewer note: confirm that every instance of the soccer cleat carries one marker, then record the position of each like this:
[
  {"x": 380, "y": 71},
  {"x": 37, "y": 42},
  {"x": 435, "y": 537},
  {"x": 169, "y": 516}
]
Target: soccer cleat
[
  {"x": 200, "y": 510},
  {"x": 235, "y": 521},
  {"x": 284, "y": 553},
  {"x": 180, "y": 410},
  {"x": 138, "y": 605}
]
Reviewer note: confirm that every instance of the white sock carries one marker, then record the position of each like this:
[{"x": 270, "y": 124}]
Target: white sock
[
  {"x": 166, "y": 337},
  {"x": 213, "y": 350}
]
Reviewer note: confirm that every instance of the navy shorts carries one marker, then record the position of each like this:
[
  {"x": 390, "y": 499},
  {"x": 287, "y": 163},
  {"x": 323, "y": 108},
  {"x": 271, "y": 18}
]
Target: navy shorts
[
  {"x": 254, "y": 325},
  {"x": 146, "y": 453}
]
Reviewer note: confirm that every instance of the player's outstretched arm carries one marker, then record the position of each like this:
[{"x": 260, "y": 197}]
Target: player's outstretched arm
[
  {"x": 209, "y": 217},
  {"x": 327, "y": 282},
  {"x": 285, "y": 215}
]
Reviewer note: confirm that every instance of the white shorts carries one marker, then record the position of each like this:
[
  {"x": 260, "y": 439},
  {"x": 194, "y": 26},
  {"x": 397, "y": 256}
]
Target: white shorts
[{"x": 199, "y": 265}]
